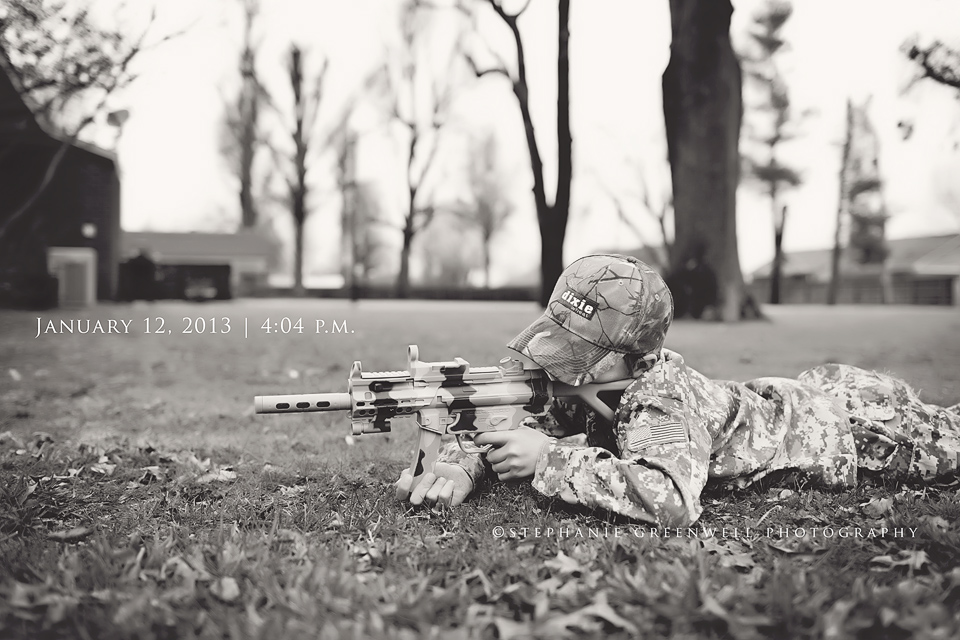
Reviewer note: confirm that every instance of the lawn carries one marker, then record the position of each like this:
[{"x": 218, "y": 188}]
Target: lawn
[{"x": 141, "y": 497}]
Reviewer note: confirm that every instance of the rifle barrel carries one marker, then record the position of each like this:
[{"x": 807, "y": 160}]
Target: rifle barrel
[{"x": 299, "y": 403}]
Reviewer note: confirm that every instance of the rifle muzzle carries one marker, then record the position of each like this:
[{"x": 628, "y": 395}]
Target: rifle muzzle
[{"x": 299, "y": 403}]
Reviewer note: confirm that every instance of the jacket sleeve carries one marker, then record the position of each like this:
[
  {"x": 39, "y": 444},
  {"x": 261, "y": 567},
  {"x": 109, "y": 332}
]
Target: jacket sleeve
[{"x": 662, "y": 468}]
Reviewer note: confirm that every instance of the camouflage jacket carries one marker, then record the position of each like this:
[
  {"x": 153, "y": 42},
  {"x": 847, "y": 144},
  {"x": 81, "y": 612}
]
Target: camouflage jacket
[{"x": 675, "y": 428}]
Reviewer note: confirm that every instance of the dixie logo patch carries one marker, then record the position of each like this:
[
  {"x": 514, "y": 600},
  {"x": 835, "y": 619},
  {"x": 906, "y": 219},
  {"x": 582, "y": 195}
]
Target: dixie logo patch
[{"x": 578, "y": 304}]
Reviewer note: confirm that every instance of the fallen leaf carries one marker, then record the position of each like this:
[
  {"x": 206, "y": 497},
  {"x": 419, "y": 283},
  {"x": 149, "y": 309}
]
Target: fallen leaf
[
  {"x": 7, "y": 436},
  {"x": 912, "y": 559},
  {"x": 254, "y": 619},
  {"x": 888, "y": 616},
  {"x": 798, "y": 545},
  {"x": 584, "y": 618},
  {"x": 201, "y": 465},
  {"x": 226, "y": 589},
  {"x": 15, "y": 375},
  {"x": 550, "y": 585},
  {"x": 151, "y": 474},
  {"x": 29, "y": 487},
  {"x": 23, "y": 595},
  {"x": 738, "y": 560},
  {"x": 877, "y": 507},
  {"x": 511, "y": 630},
  {"x": 219, "y": 475},
  {"x": 41, "y": 438},
  {"x": 70, "y": 535},
  {"x": 936, "y": 522},
  {"x": 104, "y": 468},
  {"x": 563, "y": 564}
]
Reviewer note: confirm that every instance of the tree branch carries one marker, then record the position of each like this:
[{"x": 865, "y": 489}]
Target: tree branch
[
  {"x": 477, "y": 71},
  {"x": 938, "y": 62},
  {"x": 508, "y": 17}
]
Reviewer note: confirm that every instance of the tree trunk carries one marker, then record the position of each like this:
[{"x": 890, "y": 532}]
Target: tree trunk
[
  {"x": 298, "y": 289},
  {"x": 886, "y": 282},
  {"x": 486, "y": 262},
  {"x": 551, "y": 255},
  {"x": 248, "y": 210},
  {"x": 776, "y": 273},
  {"x": 403, "y": 278},
  {"x": 834, "y": 288},
  {"x": 702, "y": 105}
]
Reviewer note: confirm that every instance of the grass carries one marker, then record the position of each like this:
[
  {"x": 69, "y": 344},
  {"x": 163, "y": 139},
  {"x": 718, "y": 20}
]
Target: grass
[{"x": 140, "y": 497}]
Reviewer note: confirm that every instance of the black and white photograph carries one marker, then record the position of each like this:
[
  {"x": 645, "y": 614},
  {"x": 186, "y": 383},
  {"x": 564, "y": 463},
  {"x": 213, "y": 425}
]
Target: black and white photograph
[{"x": 480, "y": 319}]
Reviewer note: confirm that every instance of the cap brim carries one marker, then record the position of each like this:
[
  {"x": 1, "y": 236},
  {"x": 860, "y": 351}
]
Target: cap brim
[{"x": 563, "y": 354}]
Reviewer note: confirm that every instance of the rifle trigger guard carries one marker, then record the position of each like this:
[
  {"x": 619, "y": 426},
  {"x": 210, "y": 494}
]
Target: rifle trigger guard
[{"x": 466, "y": 444}]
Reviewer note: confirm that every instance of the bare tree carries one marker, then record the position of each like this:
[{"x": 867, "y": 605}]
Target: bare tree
[
  {"x": 450, "y": 252},
  {"x": 68, "y": 70},
  {"x": 842, "y": 209},
  {"x": 489, "y": 209},
  {"x": 702, "y": 107},
  {"x": 868, "y": 211},
  {"x": 419, "y": 100},
  {"x": 552, "y": 218},
  {"x": 241, "y": 136},
  {"x": 765, "y": 167},
  {"x": 369, "y": 244},
  {"x": 659, "y": 208},
  {"x": 306, "y": 108},
  {"x": 362, "y": 223}
]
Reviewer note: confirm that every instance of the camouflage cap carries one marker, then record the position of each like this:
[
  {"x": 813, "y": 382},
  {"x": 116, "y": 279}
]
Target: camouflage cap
[{"x": 603, "y": 307}]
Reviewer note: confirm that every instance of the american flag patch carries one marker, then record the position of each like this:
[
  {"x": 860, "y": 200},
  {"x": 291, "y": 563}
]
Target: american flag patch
[{"x": 650, "y": 434}]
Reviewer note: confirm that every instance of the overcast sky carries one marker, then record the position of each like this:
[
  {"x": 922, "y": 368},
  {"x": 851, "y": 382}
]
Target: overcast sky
[{"x": 174, "y": 178}]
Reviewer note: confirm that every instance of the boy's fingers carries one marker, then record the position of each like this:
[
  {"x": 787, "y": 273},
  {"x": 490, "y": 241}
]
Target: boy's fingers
[
  {"x": 496, "y": 438},
  {"x": 446, "y": 495},
  {"x": 500, "y": 466},
  {"x": 403, "y": 484},
  {"x": 421, "y": 489},
  {"x": 434, "y": 492}
]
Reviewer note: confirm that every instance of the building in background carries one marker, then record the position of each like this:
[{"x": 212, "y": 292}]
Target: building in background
[
  {"x": 71, "y": 231},
  {"x": 203, "y": 265},
  {"x": 923, "y": 270}
]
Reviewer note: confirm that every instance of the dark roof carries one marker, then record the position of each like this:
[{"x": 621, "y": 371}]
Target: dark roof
[
  {"x": 185, "y": 246},
  {"x": 927, "y": 255},
  {"x": 18, "y": 123}
]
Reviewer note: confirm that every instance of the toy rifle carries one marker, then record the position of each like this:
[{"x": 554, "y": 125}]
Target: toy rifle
[{"x": 441, "y": 398}]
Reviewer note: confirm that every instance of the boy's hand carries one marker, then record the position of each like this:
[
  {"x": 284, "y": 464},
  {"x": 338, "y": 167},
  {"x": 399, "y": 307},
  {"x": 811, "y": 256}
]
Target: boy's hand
[
  {"x": 449, "y": 486},
  {"x": 515, "y": 452}
]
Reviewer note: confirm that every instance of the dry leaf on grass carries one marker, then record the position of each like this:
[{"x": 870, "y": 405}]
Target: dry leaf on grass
[
  {"x": 798, "y": 546},
  {"x": 936, "y": 522},
  {"x": 563, "y": 564},
  {"x": 70, "y": 535},
  {"x": 877, "y": 507},
  {"x": 103, "y": 466},
  {"x": 218, "y": 475},
  {"x": 912, "y": 559},
  {"x": 512, "y": 630},
  {"x": 586, "y": 619},
  {"x": 226, "y": 589}
]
